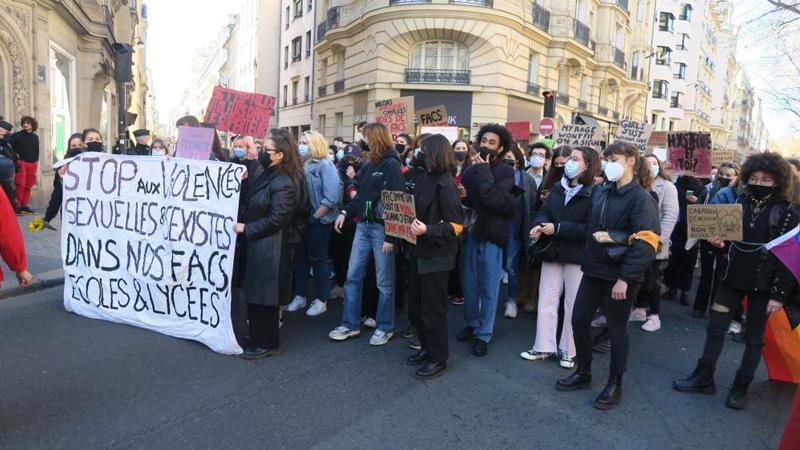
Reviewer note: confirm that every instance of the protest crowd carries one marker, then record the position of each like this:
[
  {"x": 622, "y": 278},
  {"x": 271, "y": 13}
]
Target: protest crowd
[{"x": 582, "y": 238}]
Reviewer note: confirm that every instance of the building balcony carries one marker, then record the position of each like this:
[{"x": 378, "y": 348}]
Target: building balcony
[
  {"x": 660, "y": 95},
  {"x": 541, "y": 17},
  {"x": 619, "y": 59},
  {"x": 583, "y": 105},
  {"x": 602, "y": 110},
  {"x": 533, "y": 89},
  {"x": 563, "y": 99},
  {"x": 623, "y": 4},
  {"x": 338, "y": 86},
  {"x": 615, "y": 115},
  {"x": 581, "y": 31},
  {"x": 637, "y": 73},
  {"x": 437, "y": 76},
  {"x": 332, "y": 18},
  {"x": 322, "y": 91},
  {"x": 408, "y": 2},
  {"x": 484, "y": 3},
  {"x": 296, "y": 58},
  {"x": 321, "y": 29}
]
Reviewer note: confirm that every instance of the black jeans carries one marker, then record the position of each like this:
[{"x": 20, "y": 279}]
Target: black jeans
[
  {"x": 680, "y": 269},
  {"x": 650, "y": 292},
  {"x": 712, "y": 267},
  {"x": 340, "y": 246},
  {"x": 718, "y": 325},
  {"x": 264, "y": 326},
  {"x": 427, "y": 302},
  {"x": 591, "y": 293}
]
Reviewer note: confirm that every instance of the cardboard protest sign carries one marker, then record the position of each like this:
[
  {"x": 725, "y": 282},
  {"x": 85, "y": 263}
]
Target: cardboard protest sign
[
  {"x": 451, "y": 133},
  {"x": 432, "y": 117},
  {"x": 239, "y": 112},
  {"x": 520, "y": 131},
  {"x": 577, "y": 136},
  {"x": 399, "y": 213},
  {"x": 722, "y": 155},
  {"x": 636, "y": 133},
  {"x": 707, "y": 221},
  {"x": 149, "y": 242},
  {"x": 689, "y": 153},
  {"x": 397, "y": 114},
  {"x": 658, "y": 139},
  {"x": 194, "y": 143}
]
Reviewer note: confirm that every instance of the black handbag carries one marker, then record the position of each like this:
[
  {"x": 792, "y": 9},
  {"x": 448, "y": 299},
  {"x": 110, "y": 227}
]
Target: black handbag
[
  {"x": 543, "y": 249},
  {"x": 616, "y": 251}
]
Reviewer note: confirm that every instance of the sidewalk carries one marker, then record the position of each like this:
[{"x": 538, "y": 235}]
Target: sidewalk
[{"x": 44, "y": 258}]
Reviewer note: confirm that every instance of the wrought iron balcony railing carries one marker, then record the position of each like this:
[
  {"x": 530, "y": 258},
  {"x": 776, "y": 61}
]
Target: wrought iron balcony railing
[
  {"x": 619, "y": 59},
  {"x": 581, "y": 31},
  {"x": 541, "y": 17},
  {"x": 338, "y": 86},
  {"x": 437, "y": 76}
]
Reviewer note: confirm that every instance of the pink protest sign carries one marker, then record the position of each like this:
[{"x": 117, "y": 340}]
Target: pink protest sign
[
  {"x": 689, "y": 153},
  {"x": 194, "y": 142},
  {"x": 520, "y": 131},
  {"x": 239, "y": 112}
]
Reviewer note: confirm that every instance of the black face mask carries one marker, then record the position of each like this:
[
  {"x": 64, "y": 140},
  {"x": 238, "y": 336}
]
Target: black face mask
[
  {"x": 461, "y": 157},
  {"x": 724, "y": 182},
  {"x": 508, "y": 162},
  {"x": 760, "y": 192},
  {"x": 94, "y": 147},
  {"x": 559, "y": 172},
  {"x": 400, "y": 148},
  {"x": 419, "y": 160},
  {"x": 485, "y": 153},
  {"x": 263, "y": 158}
]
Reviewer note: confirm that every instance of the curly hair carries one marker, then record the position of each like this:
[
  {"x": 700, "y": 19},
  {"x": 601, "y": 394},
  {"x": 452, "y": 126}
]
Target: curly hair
[
  {"x": 506, "y": 140},
  {"x": 30, "y": 120},
  {"x": 773, "y": 164}
]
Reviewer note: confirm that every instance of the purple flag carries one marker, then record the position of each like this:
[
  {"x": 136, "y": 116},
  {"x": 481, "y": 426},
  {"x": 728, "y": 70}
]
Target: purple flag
[{"x": 787, "y": 249}]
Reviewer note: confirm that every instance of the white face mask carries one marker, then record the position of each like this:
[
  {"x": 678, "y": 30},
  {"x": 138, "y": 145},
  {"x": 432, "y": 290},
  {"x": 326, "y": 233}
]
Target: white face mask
[
  {"x": 159, "y": 152},
  {"x": 537, "y": 161},
  {"x": 614, "y": 171},
  {"x": 654, "y": 169}
]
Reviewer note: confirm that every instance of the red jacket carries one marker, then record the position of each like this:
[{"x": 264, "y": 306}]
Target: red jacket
[{"x": 12, "y": 246}]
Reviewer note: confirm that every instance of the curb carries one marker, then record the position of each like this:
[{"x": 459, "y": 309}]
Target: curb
[{"x": 36, "y": 285}]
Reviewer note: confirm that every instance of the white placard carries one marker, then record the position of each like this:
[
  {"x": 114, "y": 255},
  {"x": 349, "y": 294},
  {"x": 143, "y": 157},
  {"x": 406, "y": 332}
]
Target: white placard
[
  {"x": 451, "y": 133},
  {"x": 149, "y": 242}
]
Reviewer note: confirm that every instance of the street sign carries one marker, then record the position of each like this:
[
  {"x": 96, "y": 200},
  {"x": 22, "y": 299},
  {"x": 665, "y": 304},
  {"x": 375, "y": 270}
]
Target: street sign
[{"x": 546, "y": 126}]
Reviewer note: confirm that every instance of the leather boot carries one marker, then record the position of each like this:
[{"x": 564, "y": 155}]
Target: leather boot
[
  {"x": 580, "y": 379},
  {"x": 737, "y": 398},
  {"x": 701, "y": 380},
  {"x": 611, "y": 395}
]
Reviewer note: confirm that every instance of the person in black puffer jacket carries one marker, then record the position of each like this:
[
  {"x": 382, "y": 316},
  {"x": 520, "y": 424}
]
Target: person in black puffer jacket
[
  {"x": 75, "y": 147},
  {"x": 560, "y": 233},
  {"x": 620, "y": 246},
  {"x": 8, "y": 164},
  {"x": 490, "y": 195},
  {"x": 766, "y": 187}
]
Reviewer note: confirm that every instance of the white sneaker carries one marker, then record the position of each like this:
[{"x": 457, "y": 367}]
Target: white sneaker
[
  {"x": 735, "y": 327},
  {"x": 380, "y": 338},
  {"x": 533, "y": 355},
  {"x": 341, "y": 333},
  {"x": 511, "y": 310},
  {"x": 653, "y": 323},
  {"x": 599, "y": 322},
  {"x": 297, "y": 304},
  {"x": 369, "y": 322},
  {"x": 566, "y": 362},
  {"x": 317, "y": 307},
  {"x": 638, "y": 315}
]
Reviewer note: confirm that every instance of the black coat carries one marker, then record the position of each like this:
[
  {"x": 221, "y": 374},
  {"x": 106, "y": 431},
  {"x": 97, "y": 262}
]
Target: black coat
[
  {"x": 571, "y": 222},
  {"x": 303, "y": 202},
  {"x": 270, "y": 211},
  {"x": 629, "y": 209},
  {"x": 684, "y": 184},
  {"x": 438, "y": 206},
  {"x": 489, "y": 194}
]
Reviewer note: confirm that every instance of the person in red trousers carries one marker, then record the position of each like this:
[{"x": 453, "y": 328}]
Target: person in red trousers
[
  {"x": 26, "y": 145},
  {"x": 12, "y": 247}
]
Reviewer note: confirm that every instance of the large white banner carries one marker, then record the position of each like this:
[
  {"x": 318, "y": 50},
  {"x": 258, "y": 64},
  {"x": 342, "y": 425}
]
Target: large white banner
[{"x": 149, "y": 242}]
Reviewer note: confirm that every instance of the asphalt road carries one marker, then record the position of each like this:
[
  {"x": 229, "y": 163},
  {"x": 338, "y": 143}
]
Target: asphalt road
[{"x": 71, "y": 382}]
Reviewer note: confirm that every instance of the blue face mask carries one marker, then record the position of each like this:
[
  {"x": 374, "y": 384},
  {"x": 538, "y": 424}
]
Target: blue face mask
[
  {"x": 603, "y": 164},
  {"x": 572, "y": 169},
  {"x": 303, "y": 149},
  {"x": 340, "y": 155},
  {"x": 238, "y": 153},
  {"x": 416, "y": 151},
  {"x": 654, "y": 170},
  {"x": 408, "y": 162}
]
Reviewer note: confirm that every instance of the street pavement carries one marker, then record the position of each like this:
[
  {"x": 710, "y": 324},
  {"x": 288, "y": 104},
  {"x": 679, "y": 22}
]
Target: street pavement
[
  {"x": 43, "y": 250},
  {"x": 71, "y": 382}
]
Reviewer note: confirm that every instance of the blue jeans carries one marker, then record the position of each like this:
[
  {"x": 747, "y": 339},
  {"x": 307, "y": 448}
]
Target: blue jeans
[
  {"x": 369, "y": 238},
  {"x": 513, "y": 249},
  {"x": 481, "y": 266},
  {"x": 312, "y": 251}
]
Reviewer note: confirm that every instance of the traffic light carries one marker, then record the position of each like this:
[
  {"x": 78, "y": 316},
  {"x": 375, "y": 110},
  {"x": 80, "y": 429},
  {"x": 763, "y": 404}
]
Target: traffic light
[{"x": 549, "y": 103}]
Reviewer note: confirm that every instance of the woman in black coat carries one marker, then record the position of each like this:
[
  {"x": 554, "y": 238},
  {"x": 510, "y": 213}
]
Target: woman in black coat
[
  {"x": 620, "y": 246},
  {"x": 437, "y": 227},
  {"x": 271, "y": 210}
]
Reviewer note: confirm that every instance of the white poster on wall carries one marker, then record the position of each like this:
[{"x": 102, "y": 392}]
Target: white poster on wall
[{"x": 149, "y": 242}]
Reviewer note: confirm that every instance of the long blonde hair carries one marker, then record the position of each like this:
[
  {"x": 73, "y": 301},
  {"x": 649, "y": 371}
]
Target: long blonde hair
[{"x": 317, "y": 145}]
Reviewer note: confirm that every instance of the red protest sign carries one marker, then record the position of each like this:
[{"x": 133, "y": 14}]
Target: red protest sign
[
  {"x": 520, "y": 131},
  {"x": 239, "y": 112},
  {"x": 397, "y": 114},
  {"x": 689, "y": 153},
  {"x": 546, "y": 126}
]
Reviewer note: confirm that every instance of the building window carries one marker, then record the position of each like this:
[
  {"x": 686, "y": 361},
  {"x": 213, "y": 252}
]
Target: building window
[
  {"x": 563, "y": 84},
  {"x": 640, "y": 7},
  {"x": 297, "y": 48},
  {"x": 310, "y": 4},
  {"x": 288, "y": 11},
  {"x": 308, "y": 43},
  {"x": 675, "y": 100},
  {"x": 439, "y": 55},
  {"x": 584, "y": 92},
  {"x": 683, "y": 42},
  {"x": 322, "y": 125},
  {"x": 582, "y": 10},
  {"x": 298, "y": 8},
  {"x": 294, "y": 92},
  {"x": 307, "y": 89},
  {"x": 62, "y": 98},
  {"x": 285, "y": 95},
  {"x": 686, "y": 12},
  {"x": 286, "y": 57},
  {"x": 635, "y": 63},
  {"x": 663, "y": 56},
  {"x": 340, "y": 66},
  {"x": 533, "y": 69},
  {"x": 339, "y": 124},
  {"x": 680, "y": 74},
  {"x": 666, "y": 21},
  {"x": 323, "y": 72},
  {"x": 659, "y": 89}
]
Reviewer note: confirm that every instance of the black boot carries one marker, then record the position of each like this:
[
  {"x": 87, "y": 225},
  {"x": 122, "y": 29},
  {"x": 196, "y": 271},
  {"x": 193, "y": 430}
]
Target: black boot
[
  {"x": 737, "y": 398},
  {"x": 685, "y": 298},
  {"x": 580, "y": 379},
  {"x": 611, "y": 395},
  {"x": 701, "y": 380},
  {"x": 671, "y": 294},
  {"x": 418, "y": 359}
]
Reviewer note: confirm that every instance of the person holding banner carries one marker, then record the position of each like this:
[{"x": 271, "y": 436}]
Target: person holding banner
[
  {"x": 766, "y": 187},
  {"x": 622, "y": 239},
  {"x": 437, "y": 227},
  {"x": 74, "y": 147},
  {"x": 93, "y": 141},
  {"x": 271, "y": 209},
  {"x": 159, "y": 148},
  {"x": 381, "y": 173}
]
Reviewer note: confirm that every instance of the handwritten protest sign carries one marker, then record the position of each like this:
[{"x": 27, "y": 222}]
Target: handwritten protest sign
[
  {"x": 636, "y": 133},
  {"x": 707, "y": 221},
  {"x": 194, "y": 143},
  {"x": 239, "y": 112},
  {"x": 520, "y": 131},
  {"x": 451, "y": 133},
  {"x": 149, "y": 242},
  {"x": 722, "y": 155},
  {"x": 432, "y": 117},
  {"x": 689, "y": 153},
  {"x": 577, "y": 136},
  {"x": 397, "y": 114},
  {"x": 399, "y": 213}
]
